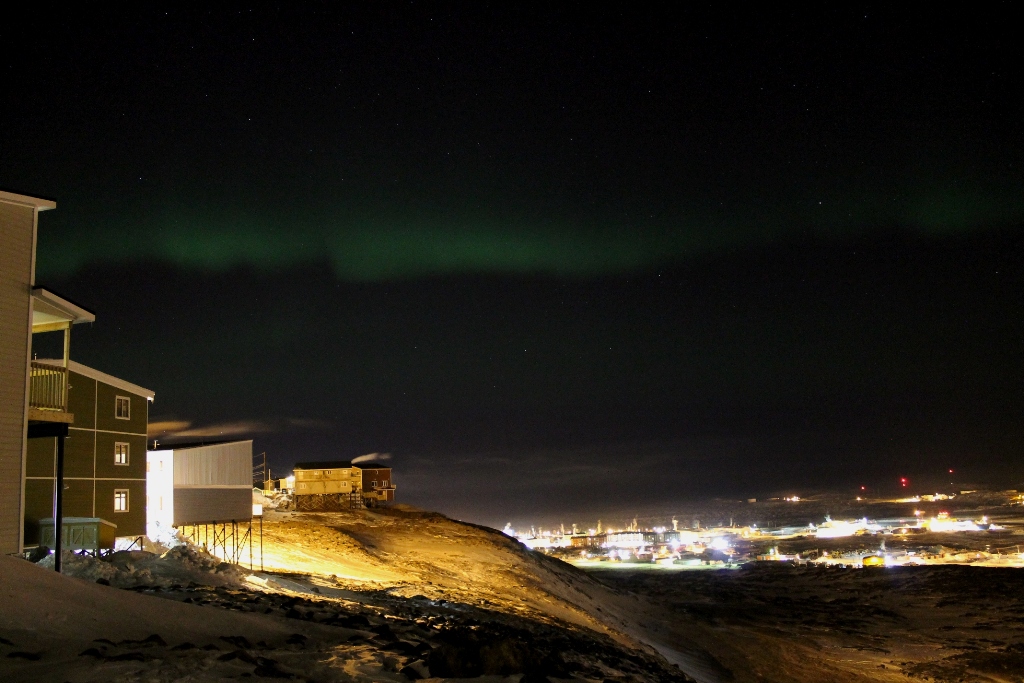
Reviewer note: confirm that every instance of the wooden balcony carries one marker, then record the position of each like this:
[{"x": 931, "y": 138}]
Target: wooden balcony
[{"x": 48, "y": 393}]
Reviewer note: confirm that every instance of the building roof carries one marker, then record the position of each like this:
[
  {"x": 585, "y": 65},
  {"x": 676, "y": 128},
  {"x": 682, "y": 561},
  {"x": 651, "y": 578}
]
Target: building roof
[
  {"x": 99, "y": 376},
  {"x": 195, "y": 444},
  {"x": 49, "y": 308},
  {"x": 328, "y": 464},
  {"x": 24, "y": 200},
  {"x": 324, "y": 465}
]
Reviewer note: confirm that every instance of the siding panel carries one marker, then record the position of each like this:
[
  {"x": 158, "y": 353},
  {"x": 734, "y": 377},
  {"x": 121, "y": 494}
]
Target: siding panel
[
  {"x": 201, "y": 506},
  {"x": 38, "y": 505},
  {"x": 105, "y": 410},
  {"x": 105, "y": 467},
  {"x": 42, "y": 455},
  {"x": 78, "y": 456},
  {"x": 81, "y": 398},
  {"x": 77, "y": 500},
  {"x": 17, "y": 226},
  {"x": 228, "y": 464},
  {"x": 131, "y": 523}
]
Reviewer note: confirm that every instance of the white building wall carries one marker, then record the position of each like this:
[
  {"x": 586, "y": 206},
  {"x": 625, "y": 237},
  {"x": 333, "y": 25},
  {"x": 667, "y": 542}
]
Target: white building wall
[
  {"x": 228, "y": 464},
  {"x": 159, "y": 492},
  {"x": 198, "y": 485}
]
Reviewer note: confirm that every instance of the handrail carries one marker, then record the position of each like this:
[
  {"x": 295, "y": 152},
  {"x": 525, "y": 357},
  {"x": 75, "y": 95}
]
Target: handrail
[{"x": 48, "y": 387}]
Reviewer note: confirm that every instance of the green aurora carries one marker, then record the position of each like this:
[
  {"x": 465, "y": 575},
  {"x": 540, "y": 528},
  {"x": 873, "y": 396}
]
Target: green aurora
[{"x": 377, "y": 246}]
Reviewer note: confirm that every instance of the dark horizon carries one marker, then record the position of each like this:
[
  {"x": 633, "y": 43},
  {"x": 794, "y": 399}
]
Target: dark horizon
[{"x": 561, "y": 260}]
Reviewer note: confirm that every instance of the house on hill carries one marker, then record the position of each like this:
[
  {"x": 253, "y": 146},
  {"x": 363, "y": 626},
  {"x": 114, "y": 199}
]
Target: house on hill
[
  {"x": 104, "y": 460},
  {"x": 340, "y": 484},
  {"x": 378, "y": 484},
  {"x": 327, "y": 485}
]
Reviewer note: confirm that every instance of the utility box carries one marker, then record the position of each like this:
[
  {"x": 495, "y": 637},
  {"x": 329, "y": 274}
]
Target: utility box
[{"x": 80, "y": 533}]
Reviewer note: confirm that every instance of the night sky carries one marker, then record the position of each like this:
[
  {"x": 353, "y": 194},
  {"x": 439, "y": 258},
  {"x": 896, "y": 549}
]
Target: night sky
[{"x": 559, "y": 263}]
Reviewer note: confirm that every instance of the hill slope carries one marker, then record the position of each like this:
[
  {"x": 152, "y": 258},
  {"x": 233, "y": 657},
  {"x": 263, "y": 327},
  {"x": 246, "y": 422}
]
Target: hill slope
[{"x": 407, "y": 552}]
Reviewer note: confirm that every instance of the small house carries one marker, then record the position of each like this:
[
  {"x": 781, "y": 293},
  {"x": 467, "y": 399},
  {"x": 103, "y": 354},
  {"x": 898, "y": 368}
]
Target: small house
[
  {"x": 327, "y": 485},
  {"x": 378, "y": 484},
  {"x": 340, "y": 483}
]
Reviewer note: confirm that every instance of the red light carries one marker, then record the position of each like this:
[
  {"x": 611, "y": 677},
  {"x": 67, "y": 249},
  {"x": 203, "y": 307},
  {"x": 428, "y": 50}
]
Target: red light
[
  {"x": 863, "y": 488},
  {"x": 951, "y": 471}
]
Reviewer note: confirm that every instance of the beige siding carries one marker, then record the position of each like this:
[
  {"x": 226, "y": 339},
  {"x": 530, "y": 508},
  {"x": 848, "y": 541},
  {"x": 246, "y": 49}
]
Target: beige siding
[
  {"x": 228, "y": 464},
  {"x": 17, "y": 234},
  {"x": 327, "y": 481}
]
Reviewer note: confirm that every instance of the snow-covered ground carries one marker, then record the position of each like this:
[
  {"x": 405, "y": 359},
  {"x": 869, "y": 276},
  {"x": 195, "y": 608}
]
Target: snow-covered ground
[
  {"x": 394, "y": 595},
  {"x": 362, "y": 596},
  {"x": 57, "y": 628}
]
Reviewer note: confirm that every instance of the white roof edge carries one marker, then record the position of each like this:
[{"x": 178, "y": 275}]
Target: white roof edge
[
  {"x": 25, "y": 200},
  {"x": 91, "y": 373},
  {"x": 170, "y": 448},
  {"x": 76, "y": 312}
]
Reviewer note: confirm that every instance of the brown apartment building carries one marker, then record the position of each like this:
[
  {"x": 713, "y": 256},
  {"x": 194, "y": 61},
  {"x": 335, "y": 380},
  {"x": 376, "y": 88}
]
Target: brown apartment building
[{"x": 104, "y": 455}]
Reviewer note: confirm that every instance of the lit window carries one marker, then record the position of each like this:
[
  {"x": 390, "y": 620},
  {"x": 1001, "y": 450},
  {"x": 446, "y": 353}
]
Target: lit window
[
  {"x": 120, "y": 453},
  {"x": 120, "y": 500},
  {"x": 328, "y": 471},
  {"x": 123, "y": 408}
]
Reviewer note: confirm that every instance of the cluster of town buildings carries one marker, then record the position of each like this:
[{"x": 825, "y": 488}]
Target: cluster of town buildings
[
  {"x": 73, "y": 440},
  {"x": 633, "y": 542},
  {"x": 735, "y": 544}
]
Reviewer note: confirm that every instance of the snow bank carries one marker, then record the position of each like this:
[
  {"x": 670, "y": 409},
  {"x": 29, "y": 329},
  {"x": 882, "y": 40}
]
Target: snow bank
[{"x": 179, "y": 566}]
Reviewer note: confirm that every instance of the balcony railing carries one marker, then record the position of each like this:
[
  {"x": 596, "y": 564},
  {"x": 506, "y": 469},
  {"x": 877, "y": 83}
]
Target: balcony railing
[{"x": 48, "y": 387}]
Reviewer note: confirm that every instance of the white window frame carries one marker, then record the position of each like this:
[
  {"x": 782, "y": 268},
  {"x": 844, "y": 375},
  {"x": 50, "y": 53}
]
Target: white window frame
[
  {"x": 127, "y": 453},
  {"x": 117, "y": 494},
  {"x": 117, "y": 407}
]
